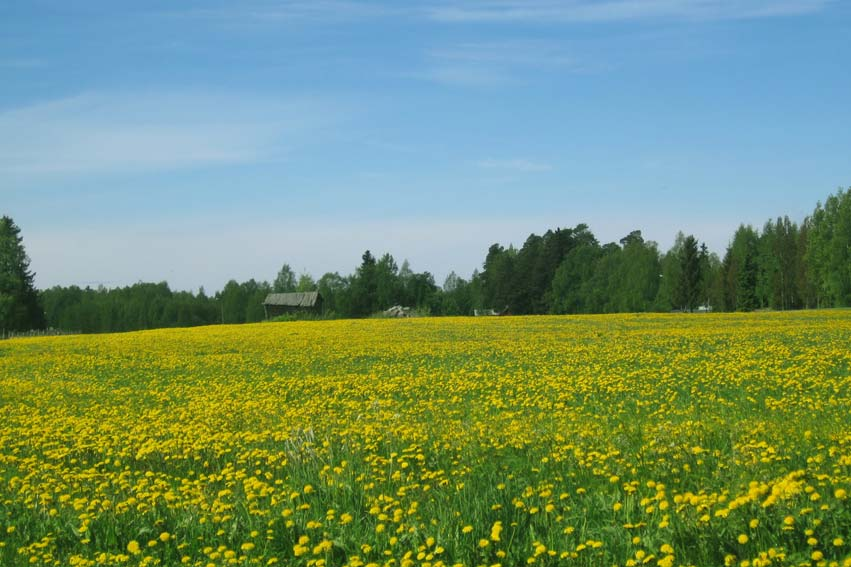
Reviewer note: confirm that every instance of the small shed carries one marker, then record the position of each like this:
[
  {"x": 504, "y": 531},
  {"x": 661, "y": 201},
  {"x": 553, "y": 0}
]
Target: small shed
[{"x": 277, "y": 304}]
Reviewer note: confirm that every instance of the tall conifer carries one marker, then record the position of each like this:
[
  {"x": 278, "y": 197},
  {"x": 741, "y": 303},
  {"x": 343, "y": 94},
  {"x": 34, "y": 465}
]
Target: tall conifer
[{"x": 20, "y": 309}]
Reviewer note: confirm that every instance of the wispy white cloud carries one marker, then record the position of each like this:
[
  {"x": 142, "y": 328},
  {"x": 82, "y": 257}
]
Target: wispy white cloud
[
  {"x": 516, "y": 164},
  {"x": 462, "y": 76},
  {"x": 292, "y": 11},
  {"x": 517, "y": 52},
  {"x": 498, "y": 63},
  {"x": 555, "y": 11},
  {"x": 94, "y": 133},
  {"x": 543, "y": 11},
  {"x": 22, "y": 63},
  {"x": 471, "y": 11}
]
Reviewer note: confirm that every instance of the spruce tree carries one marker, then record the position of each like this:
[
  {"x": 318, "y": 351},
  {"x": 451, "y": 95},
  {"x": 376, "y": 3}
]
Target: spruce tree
[
  {"x": 687, "y": 291},
  {"x": 20, "y": 309},
  {"x": 746, "y": 298}
]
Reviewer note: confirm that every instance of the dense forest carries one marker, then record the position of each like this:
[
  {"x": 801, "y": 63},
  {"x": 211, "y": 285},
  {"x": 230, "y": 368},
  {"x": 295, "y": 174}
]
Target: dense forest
[{"x": 783, "y": 265}]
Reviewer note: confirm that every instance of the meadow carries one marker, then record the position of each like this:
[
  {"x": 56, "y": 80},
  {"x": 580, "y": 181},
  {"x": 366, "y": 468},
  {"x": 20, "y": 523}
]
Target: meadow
[{"x": 621, "y": 440}]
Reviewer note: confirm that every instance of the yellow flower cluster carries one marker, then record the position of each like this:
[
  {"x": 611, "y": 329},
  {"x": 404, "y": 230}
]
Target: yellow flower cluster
[{"x": 625, "y": 440}]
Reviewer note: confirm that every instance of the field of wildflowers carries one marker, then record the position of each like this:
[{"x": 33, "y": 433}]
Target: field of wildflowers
[{"x": 622, "y": 440}]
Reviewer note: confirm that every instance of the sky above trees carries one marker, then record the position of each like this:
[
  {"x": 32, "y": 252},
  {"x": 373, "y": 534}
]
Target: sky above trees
[{"x": 196, "y": 142}]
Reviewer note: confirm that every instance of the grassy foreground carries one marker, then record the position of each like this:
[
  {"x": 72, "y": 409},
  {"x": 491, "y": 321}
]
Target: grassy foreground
[{"x": 606, "y": 440}]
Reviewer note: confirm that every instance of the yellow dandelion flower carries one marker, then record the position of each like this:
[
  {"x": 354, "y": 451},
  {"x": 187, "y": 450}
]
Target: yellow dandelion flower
[{"x": 496, "y": 530}]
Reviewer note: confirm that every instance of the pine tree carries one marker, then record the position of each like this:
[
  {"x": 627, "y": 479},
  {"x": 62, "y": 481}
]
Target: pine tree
[{"x": 20, "y": 309}]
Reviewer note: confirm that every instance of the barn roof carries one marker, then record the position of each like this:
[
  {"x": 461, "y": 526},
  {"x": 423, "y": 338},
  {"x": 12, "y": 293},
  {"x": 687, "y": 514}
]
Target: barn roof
[{"x": 298, "y": 299}]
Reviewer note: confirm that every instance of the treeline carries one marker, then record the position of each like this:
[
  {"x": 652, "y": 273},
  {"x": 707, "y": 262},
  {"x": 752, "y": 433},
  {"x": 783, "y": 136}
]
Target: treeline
[
  {"x": 376, "y": 285},
  {"x": 782, "y": 265},
  {"x": 139, "y": 306}
]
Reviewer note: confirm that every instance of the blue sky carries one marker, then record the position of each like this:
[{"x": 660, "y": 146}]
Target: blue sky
[{"x": 195, "y": 142}]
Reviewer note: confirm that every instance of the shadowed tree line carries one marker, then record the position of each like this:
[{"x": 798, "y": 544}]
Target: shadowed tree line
[{"x": 783, "y": 265}]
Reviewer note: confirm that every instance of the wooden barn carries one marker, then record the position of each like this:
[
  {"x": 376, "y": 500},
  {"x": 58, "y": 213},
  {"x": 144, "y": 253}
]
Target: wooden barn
[{"x": 282, "y": 303}]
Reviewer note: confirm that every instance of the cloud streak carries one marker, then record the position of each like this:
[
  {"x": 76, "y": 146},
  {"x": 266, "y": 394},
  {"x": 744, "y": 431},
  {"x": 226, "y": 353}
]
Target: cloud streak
[
  {"x": 533, "y": 53},
  {"x": 292, "y": 12},
  {"x": 499, "y": 11},
  {"x": 97, "y": 132},
  {"x": 498, "y": 63},
  {"x": 517, "y": 164},
  {"x": 462, "y": 76},
  {"x": 20, "y": 63},
  {"x": 579, "y": 11}
]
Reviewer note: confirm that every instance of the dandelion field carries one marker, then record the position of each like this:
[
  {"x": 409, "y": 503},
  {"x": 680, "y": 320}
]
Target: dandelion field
[{"x": 600, "y": 440}]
